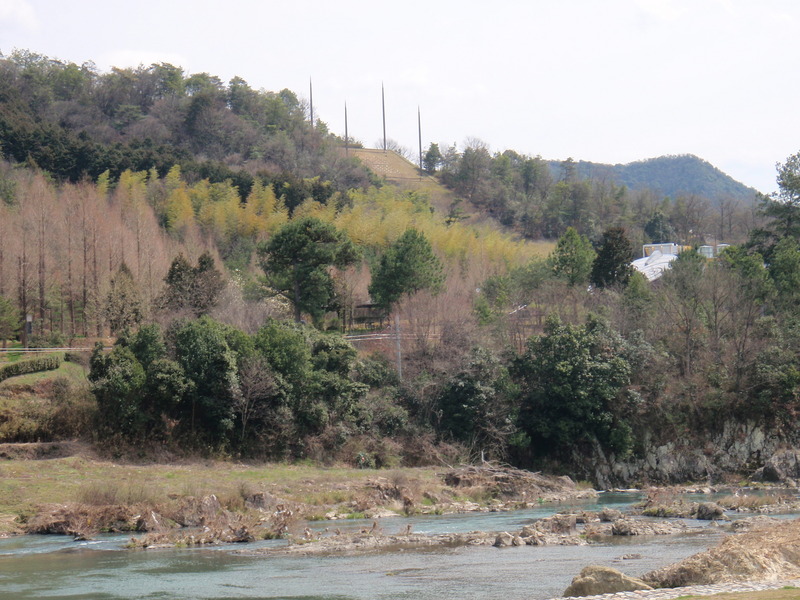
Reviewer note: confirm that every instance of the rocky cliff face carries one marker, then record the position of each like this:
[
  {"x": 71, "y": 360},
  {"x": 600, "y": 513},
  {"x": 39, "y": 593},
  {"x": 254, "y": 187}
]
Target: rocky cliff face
[{"x": 739, "y": 448}]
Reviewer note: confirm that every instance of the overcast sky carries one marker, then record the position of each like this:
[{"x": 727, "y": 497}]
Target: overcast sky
[{"x": 603, "y": 80}]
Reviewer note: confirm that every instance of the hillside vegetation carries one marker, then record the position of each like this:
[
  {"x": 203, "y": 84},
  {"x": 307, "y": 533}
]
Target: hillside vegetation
[
  {"x": 678, "y": 198},
  {"x": 75, "y": 122},
  {"x": 671, "y": 176},
  {"x": 224, "y": 247}
]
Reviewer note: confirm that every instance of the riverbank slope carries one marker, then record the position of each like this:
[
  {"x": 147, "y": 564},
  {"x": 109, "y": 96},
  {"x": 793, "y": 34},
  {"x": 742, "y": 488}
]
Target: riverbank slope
[{"x": 64, "y": 480}]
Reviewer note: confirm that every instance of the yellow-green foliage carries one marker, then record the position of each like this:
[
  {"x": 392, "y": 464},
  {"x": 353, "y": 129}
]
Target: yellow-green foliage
[
  {"x": 131, "y": 188},
  {"x": 217, "y": 206},
  {"x": 103, "y": 182},
  {"x": 378, "y": 216},
  {"x": 263, "y": 213},
  {"x": 222, "y": 215},
  {"x": 374, "y": 218}
]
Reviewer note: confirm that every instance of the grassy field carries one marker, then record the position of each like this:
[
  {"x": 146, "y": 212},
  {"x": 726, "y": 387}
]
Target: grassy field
[
  {"x": 26, "y": 484},
  {"x": 73, "y": 372},
  {"x": 11, "y": 356}
]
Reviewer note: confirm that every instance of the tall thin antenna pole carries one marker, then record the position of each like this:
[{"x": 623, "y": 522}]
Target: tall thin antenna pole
[
  {"x": 398, "y": 345},
  {"x": 383, "y": 107},
  {"x": 311, "y": 101},
  {"x": 419, "y": 128},
  {"x": 346, "y": 137}
]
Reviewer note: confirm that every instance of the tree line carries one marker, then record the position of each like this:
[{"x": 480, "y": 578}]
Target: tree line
[
  {"x": 64, "y": 243},
  {"x": 205, "y": 279},
  {"x": 554, "y": 358},
  {"x": 526, "y": 194},
  {"x": 75, "y": 122}
]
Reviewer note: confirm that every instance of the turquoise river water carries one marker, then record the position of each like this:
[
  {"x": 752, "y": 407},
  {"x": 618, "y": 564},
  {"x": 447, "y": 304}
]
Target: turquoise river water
[{"x": 55, "y": 567}]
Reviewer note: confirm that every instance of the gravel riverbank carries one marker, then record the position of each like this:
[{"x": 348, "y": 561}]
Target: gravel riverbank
[{"x": 697, "y": 590}]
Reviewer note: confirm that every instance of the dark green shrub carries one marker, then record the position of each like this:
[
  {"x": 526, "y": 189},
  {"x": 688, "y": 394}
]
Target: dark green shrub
[
  {"x": 117, "y": 383},
  {"x": 31, "y": 365}
]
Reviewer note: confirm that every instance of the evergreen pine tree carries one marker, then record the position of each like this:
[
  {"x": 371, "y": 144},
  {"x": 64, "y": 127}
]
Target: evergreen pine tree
[{"x": 613, "y": 262}]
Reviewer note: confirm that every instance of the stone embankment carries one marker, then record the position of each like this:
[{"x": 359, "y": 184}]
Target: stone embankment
[{"x": 696, "y": 590}]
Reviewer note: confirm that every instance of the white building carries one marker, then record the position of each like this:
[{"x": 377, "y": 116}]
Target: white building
[{"x": 654, "y": 264}]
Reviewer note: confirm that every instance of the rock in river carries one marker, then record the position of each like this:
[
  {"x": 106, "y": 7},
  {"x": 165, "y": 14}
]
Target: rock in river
[{"x": 594, "y": 580}]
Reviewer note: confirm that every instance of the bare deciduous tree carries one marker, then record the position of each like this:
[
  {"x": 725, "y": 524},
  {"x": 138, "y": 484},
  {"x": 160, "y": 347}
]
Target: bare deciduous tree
[{"x": 257, "y": 386}]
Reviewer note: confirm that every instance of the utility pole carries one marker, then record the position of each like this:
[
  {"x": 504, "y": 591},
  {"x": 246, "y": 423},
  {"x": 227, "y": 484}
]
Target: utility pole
[
  {"x": 419, "y": 128},
  {"x": 311, "y": 101},
  {"x": 398, "y": 347},
  {"x": 346, "y": 137},
  {"x": 383, "y": 107}
]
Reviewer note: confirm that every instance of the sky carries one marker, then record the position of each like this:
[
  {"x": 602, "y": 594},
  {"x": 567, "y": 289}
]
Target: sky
[{"x": 609, "y": 81}]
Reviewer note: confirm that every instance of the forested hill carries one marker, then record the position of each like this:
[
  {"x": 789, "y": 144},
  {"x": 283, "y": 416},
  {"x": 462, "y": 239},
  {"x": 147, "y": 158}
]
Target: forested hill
[
  {"x": 75, "y": 122},
  {"x": 78, "y": 124},
  {"x": 668, "y": 175},
  {"x": 123, "y": 194}
]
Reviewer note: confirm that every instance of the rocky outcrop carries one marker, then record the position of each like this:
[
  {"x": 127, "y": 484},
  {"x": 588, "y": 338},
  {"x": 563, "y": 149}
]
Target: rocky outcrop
[
  {"x": 506, "y": 539},
  {"x": 558, "y": 530},
  {"x": 709, "y": 511},
  {"x": 770, "y": 552},
  {"x": 737, "y": 448},
  {"x": 594, "y": 580},
  {"x": 749, "y": 523},
  {"x": 516, "y": 484},
  {"x": 781, "y": 467},
  {"x": 83, "y": 521},
  {"x": 634, "y": 527},
  {"x": 609, "y": 515},
  {"x": 558, "y": 523},
  {"x": 262, "y": 501}
]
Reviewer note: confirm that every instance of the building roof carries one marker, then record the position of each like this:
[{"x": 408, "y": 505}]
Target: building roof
[{"x": 653, "y": 266}]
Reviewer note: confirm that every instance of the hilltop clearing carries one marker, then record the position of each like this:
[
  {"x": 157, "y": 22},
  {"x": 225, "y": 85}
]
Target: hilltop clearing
[{"x": 402, "y": 173}]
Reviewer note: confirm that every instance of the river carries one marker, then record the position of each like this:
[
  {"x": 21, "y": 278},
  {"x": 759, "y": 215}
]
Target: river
[{"x": 56, "y": 567}]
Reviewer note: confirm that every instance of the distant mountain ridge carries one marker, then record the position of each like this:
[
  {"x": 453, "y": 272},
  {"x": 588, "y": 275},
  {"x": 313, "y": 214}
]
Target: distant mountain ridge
[{"x": 671, "y": 176}]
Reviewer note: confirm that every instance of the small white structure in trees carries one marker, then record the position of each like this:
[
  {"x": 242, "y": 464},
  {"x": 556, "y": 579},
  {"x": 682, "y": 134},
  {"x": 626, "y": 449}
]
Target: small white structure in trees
[
  {"x": 653, "y": 265},
  {"x": 656, "y": 258}
]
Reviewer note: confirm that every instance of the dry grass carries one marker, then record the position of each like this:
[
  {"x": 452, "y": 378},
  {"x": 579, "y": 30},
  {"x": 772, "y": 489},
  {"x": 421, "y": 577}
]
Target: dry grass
[
  {"x": 189, "y": 494},
  {"x": 176, "y": 492},
  {"x": 25, "y": 484},
  {"x": 44, "y": 406},
  {"x": 98, "y": 493},
  {"x": 752, "y": 502}
]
